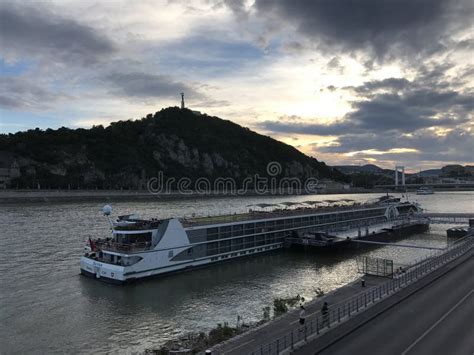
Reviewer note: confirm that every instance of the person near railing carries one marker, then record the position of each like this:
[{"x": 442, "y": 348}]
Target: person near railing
[
  {"x": 302, "y": 315},
  {"x": 325, "y": 314}
]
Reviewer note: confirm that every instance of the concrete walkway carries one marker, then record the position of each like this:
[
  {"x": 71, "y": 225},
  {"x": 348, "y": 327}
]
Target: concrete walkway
[
  {"x": 250, "y": 341},
  {"x": 430, "y": 316}
]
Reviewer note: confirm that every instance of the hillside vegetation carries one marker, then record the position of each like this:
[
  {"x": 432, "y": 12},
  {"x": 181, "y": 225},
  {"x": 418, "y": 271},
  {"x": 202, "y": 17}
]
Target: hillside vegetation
[{"x": 180, "y": 143}]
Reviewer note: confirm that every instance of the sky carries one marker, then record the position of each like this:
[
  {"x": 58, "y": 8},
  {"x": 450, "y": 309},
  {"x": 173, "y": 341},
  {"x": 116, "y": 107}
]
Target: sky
[{"x": 348, "y": 82}]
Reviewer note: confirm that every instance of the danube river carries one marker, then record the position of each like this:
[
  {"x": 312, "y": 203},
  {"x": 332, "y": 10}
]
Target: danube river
[{"x": 47, "y": 307}]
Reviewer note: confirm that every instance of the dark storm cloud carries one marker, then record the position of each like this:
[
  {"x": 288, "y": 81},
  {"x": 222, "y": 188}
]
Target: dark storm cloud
[
  {"x": 32, "y": 31},
  {"x": 406, "y": 113},
  {"x": 381, "y": 26},
  {"x": 145, "y": 85},
  {"x": 19, "y": 93}
]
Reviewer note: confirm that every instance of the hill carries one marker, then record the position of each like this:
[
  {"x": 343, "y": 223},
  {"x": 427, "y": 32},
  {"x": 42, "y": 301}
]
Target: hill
[
  {"x": 125, "y": 154},
  {"x": 367, "y": 176},
  {"x": 430, "y": 173},
  {"x": 352, "y": 169}
]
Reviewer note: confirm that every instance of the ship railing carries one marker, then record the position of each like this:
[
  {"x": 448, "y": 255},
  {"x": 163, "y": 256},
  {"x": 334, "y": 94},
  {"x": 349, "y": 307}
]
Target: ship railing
[
  {"x": 321, "y": 323},
  {"x": 123, "y": 247},
  {"x": 254, "y": 214},
  {"x": 308, "y": 241}
]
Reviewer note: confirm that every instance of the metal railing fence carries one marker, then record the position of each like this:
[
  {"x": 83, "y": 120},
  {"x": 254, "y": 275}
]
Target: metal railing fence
[{"x": 361, "y": 301}]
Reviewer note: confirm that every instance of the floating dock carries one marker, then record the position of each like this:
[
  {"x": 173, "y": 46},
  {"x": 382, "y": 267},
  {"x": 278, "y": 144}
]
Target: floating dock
[{"x": 378, "y": 232}]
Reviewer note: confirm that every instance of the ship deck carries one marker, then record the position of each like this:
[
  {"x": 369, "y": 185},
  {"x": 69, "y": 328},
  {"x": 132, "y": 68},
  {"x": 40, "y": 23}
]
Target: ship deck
[{"x": 258, "y": 215}]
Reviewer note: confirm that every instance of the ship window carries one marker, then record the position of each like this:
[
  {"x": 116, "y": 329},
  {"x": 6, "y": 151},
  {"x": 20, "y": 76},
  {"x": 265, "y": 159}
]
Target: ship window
[
  {"x": 170, "y": 254},
  {"x": 212, "y": 233},
  {"x": 126, "y": 238},
  {"x": 225, "y": 232},
  {"x": 237, "y": 230},
  {"x": 128, "y": 261},
  {"x": 249, "y": 227}
]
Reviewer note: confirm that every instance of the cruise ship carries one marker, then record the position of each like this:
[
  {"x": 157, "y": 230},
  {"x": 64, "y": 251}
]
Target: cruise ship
[{"x": 139, "y": 248}]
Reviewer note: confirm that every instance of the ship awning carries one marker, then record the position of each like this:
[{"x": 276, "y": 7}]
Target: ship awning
[
  {"x": 313, "y": 202},
  {"x": 289, "y": 204},
  {"x": 263, "y": 205}
]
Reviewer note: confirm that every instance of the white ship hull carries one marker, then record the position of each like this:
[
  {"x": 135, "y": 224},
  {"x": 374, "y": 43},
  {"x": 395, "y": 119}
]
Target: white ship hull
[
  {"x": 139, "y": 249},
  {"x": 148, "y": 268}
]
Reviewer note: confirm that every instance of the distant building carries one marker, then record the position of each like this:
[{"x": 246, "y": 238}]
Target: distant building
[{"x": 9, "y": 169}]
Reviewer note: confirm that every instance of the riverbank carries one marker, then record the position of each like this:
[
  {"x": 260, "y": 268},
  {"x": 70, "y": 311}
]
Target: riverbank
[
  {"x": 50, "y": 196},
  {"x": 245, "y": 338},
  {"x": 247, "y": 342}
]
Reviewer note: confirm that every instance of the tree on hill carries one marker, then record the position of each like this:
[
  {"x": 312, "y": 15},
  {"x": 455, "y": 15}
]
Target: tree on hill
[{"x": 177, "y": 142}]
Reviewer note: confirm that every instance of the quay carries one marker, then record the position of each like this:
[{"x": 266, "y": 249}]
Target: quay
[
  {"x": 431, "y": 316},
  {"x": 248, "y": 342},
  {"x": 387, "y": 316}
]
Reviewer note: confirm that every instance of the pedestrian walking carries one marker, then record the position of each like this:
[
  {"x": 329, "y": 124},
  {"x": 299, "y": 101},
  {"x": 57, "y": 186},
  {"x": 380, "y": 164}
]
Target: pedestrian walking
[
  {"x": 325, "y": 314},
  {"x": 302, "y": 315}
]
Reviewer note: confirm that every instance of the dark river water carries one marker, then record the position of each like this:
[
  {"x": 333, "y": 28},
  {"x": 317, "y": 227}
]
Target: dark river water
[{"x": 47, "y": 307}]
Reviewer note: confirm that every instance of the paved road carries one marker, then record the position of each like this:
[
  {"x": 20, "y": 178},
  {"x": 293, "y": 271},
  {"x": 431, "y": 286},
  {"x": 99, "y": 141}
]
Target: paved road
[{"x": 438, "y": 319}]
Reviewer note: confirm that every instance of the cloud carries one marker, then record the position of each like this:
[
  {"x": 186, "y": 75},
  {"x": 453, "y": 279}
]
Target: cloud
[
  {"x": 393, "y": 104},
  {"x": 382, "y": 27},
  {"x": 335, "y": 64},
  {"x": 386, "y": 112},
  {"x": 19, "y": 93},
  {"x": 209, "y": 52},
  {"x": 425, "y": 145},
  {"x": 34, "y": 32},
  {"x": 391, "y": 84},
  {"x": 144, "y": 85},
  {"x": 238, "y": 8},
  {"x": 426, "y": 119}
]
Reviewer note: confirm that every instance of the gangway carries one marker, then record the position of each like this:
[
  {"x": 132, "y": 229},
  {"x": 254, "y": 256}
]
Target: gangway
[
  {"x": 396, "y": 244},
  {"x": 447, "y": 218}
]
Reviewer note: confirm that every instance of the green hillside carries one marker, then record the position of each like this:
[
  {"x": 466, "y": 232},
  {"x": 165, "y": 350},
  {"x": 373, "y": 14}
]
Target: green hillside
[{"x": 126, "y": 154}]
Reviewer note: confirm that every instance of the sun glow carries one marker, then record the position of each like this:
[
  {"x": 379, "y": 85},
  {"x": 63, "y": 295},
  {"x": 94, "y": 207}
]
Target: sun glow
[{"x": 381, "y": 152}]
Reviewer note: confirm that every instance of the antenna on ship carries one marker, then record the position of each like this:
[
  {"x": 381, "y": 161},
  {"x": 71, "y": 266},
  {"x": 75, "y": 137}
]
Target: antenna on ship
[
  {"x": 182, "y": 100},
  {"x": 107, "y": 210}
]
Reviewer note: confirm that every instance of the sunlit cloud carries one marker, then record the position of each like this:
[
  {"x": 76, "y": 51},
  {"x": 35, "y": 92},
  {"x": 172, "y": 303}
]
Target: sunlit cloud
[{"x": 382, "y": 152}]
